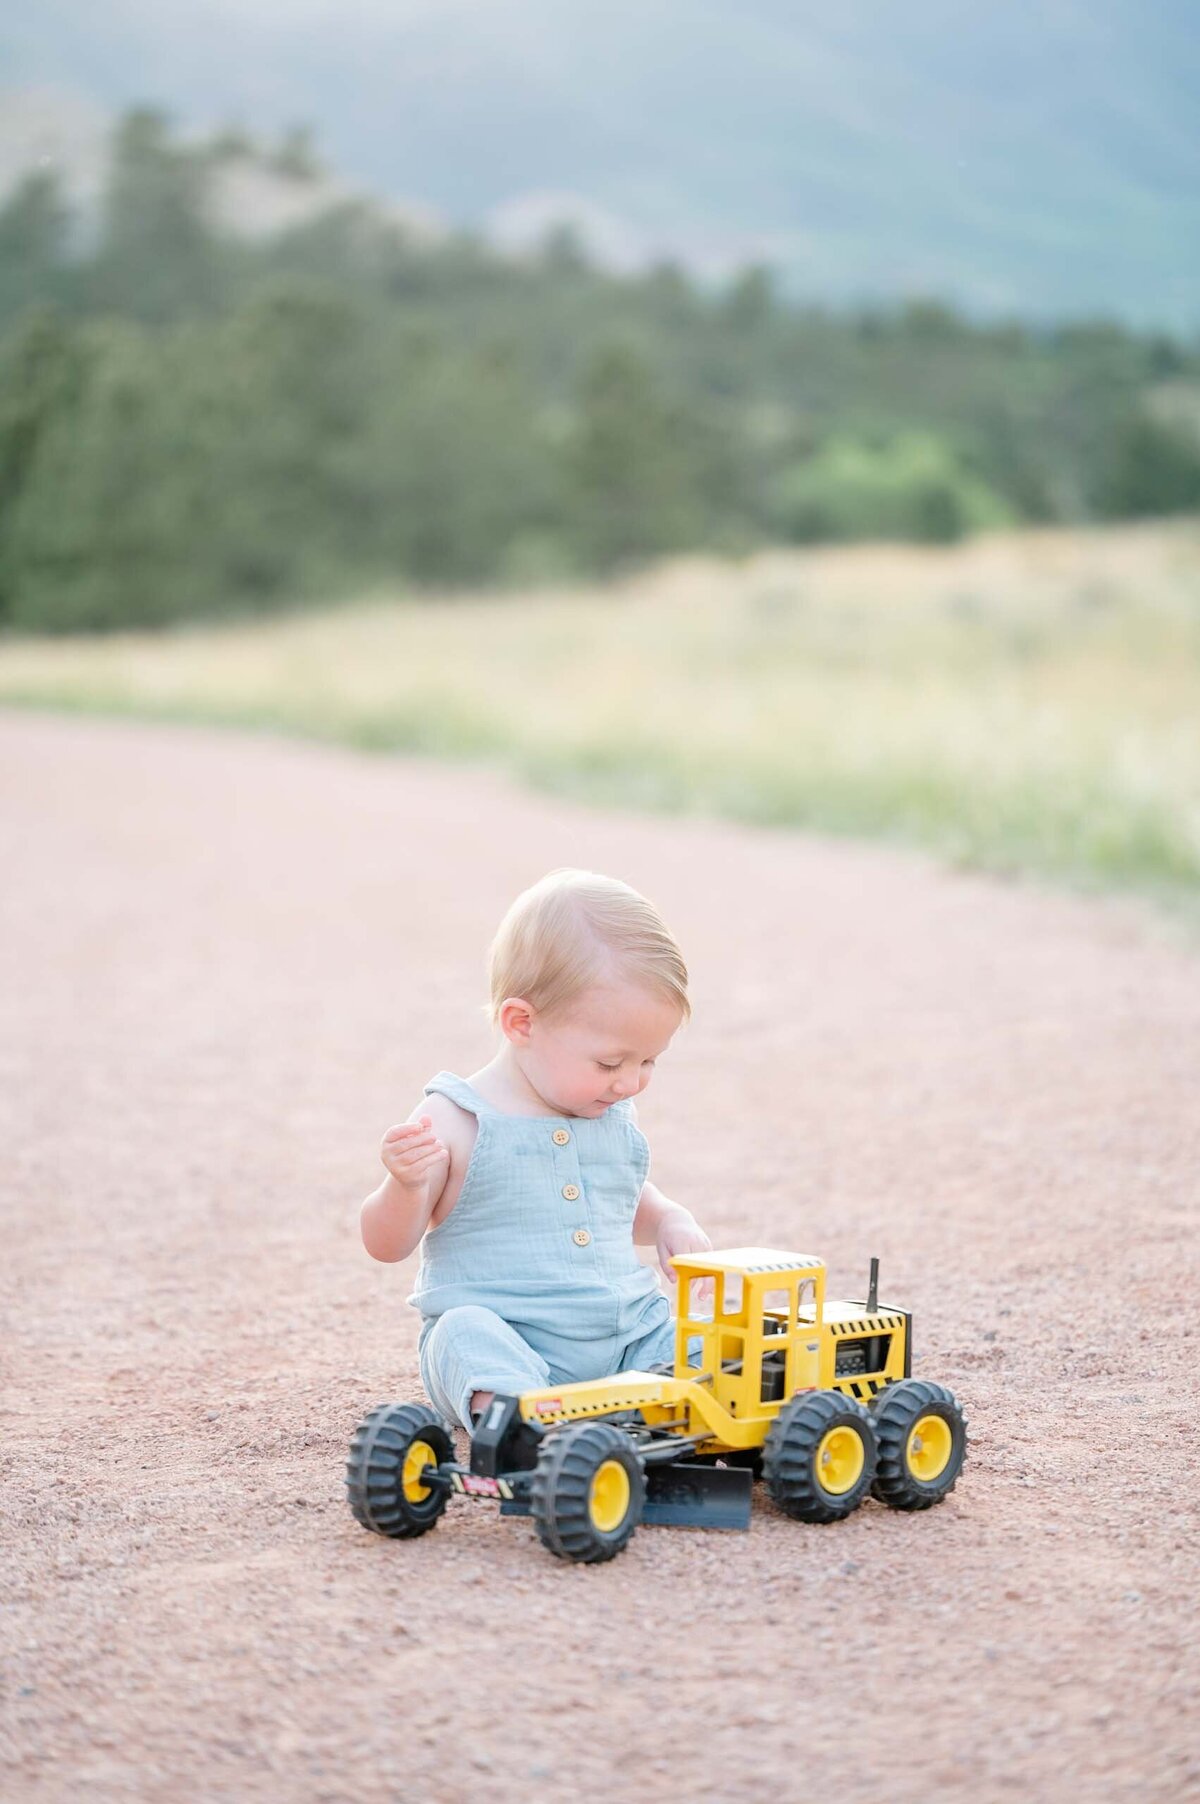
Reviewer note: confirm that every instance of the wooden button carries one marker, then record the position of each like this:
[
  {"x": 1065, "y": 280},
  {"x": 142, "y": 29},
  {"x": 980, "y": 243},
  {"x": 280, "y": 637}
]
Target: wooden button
[
  {"x": 581, "y": 1237},
  {"x": 560, "y": 1136},
  {"x": 570, "y": 1191}
]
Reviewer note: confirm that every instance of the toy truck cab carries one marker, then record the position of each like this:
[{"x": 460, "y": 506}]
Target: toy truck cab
[
  {"x": 766, "y": 1331},
  {"x": 756, "y": 1316}
]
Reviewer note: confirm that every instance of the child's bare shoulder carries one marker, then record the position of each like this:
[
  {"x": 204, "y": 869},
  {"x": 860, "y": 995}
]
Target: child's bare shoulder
[
  {"x": 453, "y": 1125},
  {"x": 456, "y": 1128}
]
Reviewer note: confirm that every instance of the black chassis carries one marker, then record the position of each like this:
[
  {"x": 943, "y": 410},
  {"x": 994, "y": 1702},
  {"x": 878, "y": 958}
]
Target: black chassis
[{"x": 682, "y": 1489}]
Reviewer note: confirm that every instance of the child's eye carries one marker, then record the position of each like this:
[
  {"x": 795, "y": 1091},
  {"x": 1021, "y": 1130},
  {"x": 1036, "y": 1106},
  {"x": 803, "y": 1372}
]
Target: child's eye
[{"x": 605, "y": 1067}]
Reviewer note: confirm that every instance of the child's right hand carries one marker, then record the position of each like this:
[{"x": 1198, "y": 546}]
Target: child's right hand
[{"x": 413, "y": 1154}]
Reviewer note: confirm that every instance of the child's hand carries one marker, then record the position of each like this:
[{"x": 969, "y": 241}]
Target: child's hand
[
  {"x": 413, "y": 1153},
  {"x": 680, "y": 1233}
]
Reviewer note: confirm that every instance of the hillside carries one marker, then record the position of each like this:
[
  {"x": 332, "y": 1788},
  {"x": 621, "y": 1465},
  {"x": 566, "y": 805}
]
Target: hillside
[{"x": 1041, "y": 162}]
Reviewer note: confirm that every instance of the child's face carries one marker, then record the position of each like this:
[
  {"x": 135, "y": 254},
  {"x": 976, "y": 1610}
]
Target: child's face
[{"x": 601, "y": 1048}]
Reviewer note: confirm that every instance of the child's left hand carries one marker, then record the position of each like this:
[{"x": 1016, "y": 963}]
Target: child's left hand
[{"x": 679, "y": 1232}]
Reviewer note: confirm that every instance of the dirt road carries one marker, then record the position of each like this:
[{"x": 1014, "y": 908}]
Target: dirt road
[{"x": 227, "y": 964}]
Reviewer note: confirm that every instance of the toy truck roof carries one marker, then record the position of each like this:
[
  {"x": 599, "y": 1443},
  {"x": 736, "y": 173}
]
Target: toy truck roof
[{"x": 749, "y": 1261}]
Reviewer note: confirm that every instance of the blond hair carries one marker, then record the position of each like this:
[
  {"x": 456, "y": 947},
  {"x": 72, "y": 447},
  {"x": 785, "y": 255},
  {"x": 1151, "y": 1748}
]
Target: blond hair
[{"x": 575, "y": 928}]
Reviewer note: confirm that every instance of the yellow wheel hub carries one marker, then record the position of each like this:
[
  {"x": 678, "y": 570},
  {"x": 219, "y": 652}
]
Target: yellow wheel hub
[
  {"x": 419, "y": 1455},
  {"x": 608, "y": 1499},
  {"x": 929, "y": 1448},
  {"x": 841, "y": 1457}
]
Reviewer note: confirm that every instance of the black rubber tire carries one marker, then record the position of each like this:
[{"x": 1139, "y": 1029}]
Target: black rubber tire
[
  {"x": 790, "y": 1456},
  {"x": 560, "y": 1494},
  {"x": 897, "y": 1410},
  {"x": 375, "y": 1467}
]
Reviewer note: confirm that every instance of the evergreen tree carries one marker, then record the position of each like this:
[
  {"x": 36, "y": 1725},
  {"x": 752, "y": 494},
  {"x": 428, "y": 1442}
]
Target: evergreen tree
[
  {"x": 632, "y": 465},
  {"x": 157, "y": 259},
  {"x": 33, "y": 244},
  {"x": 42, "y": 369},
  {"x": 1149, "y": 468}
]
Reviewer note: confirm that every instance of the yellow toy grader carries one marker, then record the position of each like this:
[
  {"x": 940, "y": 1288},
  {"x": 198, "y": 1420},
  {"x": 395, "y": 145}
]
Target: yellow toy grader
[{"x": 770, "y": 1379}]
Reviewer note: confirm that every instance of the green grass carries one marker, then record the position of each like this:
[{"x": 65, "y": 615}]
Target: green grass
[{"x": 1025, "y": 703}]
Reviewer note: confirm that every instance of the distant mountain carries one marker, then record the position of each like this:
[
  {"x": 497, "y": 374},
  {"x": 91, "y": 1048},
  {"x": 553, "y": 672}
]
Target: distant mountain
[{"x": 1041, "y": 161}]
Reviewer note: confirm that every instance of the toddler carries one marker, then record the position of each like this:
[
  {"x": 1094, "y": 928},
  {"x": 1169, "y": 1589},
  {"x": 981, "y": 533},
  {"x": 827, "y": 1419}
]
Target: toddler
[{"x": 527, "y": 1183}]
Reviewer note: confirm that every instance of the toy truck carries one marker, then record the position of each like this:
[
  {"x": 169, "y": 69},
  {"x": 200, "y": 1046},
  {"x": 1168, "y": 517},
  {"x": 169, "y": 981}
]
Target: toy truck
[{"x": 770, "y": 1379}]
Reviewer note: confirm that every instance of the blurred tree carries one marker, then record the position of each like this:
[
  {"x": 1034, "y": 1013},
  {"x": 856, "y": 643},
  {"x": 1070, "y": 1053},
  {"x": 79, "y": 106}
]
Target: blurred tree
[
  {"x": 1149, "y": 467},
  {"x": 34, "y": 223},
  {"x": 672, "y": 302},
  {"x": 1164, "y": 358},
  {"x": 562, "y": 251},
  {"x": 156, "y": 259},
  {"x": 750, "y": 301},
  {"x": 232, "y": 143},
  {"x": 296, "y": 155},
  {"x": 912, "y": 488},
  {"x": 459, "y": 466},
  {"x": 81, "y": 532},
  {"x": 632, "y": 465},
  {"x": 931, "y": 320},
  {"x": 41, "y": 370},
  {"x": 294, "y": 395}
]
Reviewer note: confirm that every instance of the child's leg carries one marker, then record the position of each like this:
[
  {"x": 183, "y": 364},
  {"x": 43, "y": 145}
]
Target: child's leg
[
  {"x": 473, "y": 1349},
  {"x": 657, "y": 1348}
]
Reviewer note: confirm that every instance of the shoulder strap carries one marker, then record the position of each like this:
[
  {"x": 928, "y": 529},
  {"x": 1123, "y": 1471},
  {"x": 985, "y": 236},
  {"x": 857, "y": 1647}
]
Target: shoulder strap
[{"x": 459, "y": 1091}]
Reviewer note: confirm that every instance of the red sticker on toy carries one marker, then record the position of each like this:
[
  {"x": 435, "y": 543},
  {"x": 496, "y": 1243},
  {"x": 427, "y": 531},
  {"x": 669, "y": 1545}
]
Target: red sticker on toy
[{"x": 474, "y": 1486}]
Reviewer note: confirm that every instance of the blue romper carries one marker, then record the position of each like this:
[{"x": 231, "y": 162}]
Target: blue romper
[{"x": 532, "y": 1279}]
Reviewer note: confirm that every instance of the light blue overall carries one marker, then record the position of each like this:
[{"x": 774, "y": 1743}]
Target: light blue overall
[{"x": 532, "y": 1279}]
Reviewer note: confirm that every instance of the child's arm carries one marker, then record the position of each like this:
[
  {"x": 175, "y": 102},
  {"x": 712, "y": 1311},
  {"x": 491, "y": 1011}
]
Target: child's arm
[
  {"x": 667, "y": 1227},
  {"x": 417, "y": 1163}
]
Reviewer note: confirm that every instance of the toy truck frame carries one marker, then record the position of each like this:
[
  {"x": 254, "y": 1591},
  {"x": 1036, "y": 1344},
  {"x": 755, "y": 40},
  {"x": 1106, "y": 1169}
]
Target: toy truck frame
[{"x": 770, "y": 1378}]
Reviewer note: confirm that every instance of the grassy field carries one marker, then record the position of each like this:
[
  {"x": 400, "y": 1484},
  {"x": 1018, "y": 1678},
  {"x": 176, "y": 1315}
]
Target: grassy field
[{"x": 1023, "y": 702}]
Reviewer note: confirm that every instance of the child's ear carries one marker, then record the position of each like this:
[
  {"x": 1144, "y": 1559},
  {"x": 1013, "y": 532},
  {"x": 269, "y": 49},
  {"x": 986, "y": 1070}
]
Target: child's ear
[{"x": 516, "y": 1019}]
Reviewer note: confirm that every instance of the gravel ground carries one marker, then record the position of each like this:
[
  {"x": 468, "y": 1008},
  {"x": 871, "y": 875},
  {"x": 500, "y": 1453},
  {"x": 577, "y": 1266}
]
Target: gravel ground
[{"x": 228, "y": 963}]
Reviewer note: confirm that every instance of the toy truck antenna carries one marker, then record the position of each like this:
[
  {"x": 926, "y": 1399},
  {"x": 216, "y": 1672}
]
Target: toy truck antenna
[{"x": 873, "y": 1288}]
